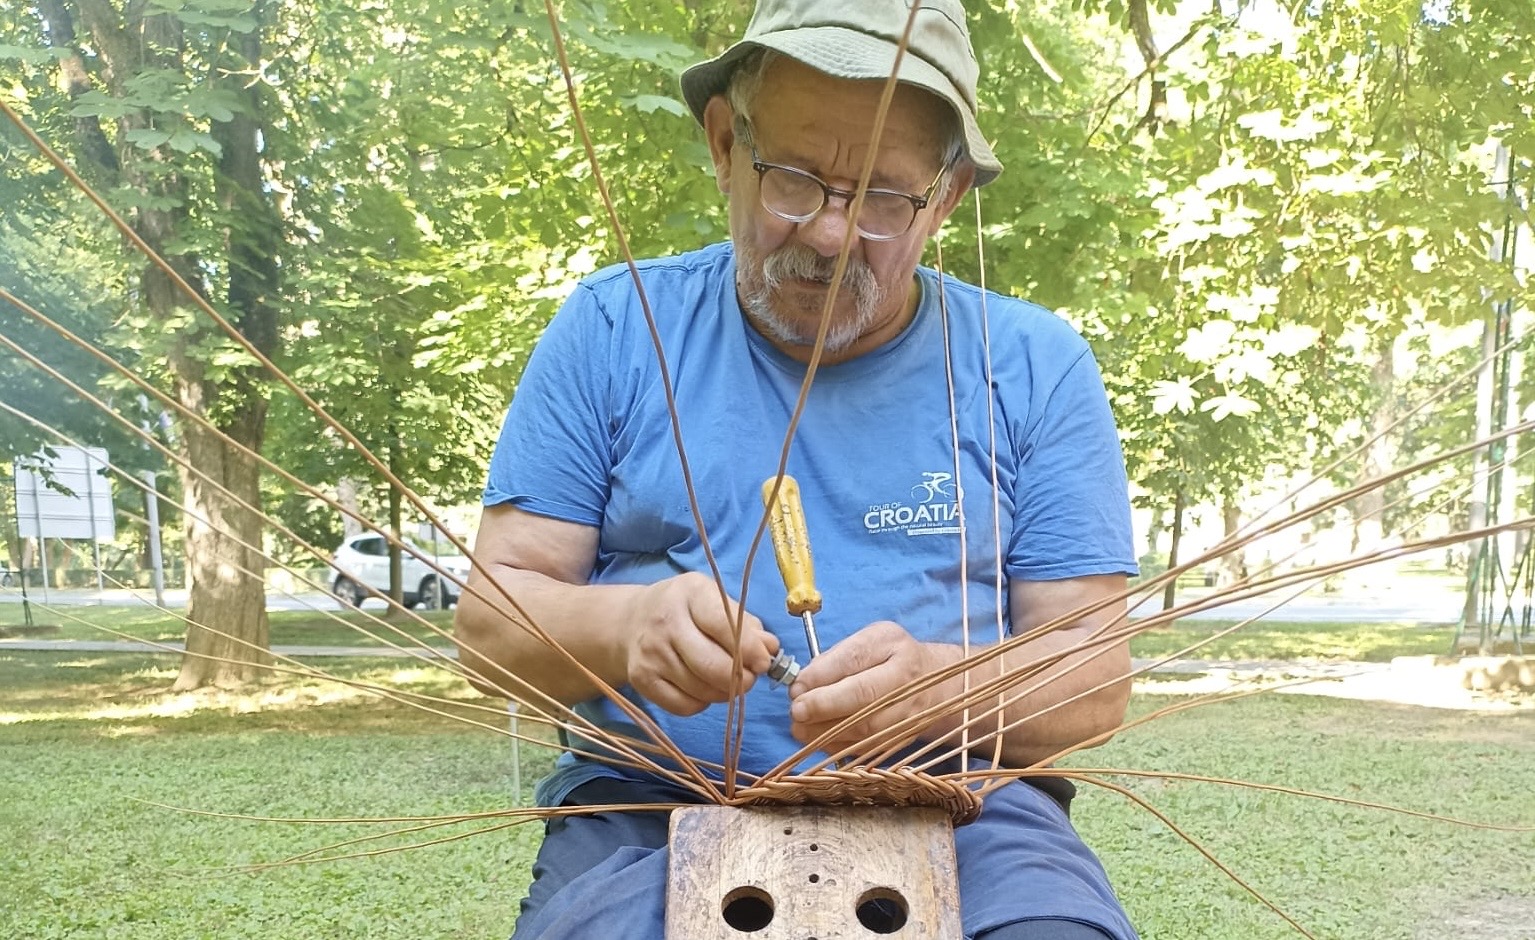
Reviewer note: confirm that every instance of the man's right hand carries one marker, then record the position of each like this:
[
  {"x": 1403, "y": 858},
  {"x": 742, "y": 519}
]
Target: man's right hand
[{"x": 679, "y": 654}]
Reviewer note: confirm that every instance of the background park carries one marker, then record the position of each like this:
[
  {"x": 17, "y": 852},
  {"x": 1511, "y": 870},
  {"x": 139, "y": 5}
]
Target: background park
[{"x": 1296, "y": 235}]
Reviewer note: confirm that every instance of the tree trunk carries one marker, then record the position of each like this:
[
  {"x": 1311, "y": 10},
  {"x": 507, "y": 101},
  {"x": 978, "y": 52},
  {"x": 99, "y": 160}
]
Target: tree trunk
[
  {"x": 227, "y": 637},
  {"x": 1233, "y": 564},
  {"x": 225, "y": 566},
  {"x": 1480, "y": 553},
  {"x": 396, "y": 513},
  {"x": 346, "y": 495},
  {"x": 1170, "y": 590},
  {"x": 227, "y": 632},
  {"x": 1368, "y": 509}
]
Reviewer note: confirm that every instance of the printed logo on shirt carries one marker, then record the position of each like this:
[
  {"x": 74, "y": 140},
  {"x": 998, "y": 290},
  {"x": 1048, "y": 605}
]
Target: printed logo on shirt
[{"x": 932, "y": 508}]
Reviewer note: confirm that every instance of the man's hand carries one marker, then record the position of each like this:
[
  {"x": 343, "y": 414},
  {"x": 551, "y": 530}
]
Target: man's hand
[
  {"x": 853, "y": 673},
  {"x": 1060, "y": 698},
  {"x": 678, "y": 654}
]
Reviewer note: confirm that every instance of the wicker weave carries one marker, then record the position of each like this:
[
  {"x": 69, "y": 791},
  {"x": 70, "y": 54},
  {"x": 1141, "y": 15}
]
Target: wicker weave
[{"x": 865, "y": 786}]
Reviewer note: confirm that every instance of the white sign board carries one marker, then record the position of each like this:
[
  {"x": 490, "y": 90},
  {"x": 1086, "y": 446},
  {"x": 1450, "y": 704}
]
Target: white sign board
[{"x": 44, "y": 512}]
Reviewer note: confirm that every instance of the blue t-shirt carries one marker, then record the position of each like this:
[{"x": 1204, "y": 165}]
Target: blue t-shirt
[{"x": 588, "y": 439}]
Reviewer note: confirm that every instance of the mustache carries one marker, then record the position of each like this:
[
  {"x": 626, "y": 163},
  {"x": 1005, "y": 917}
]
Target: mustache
[{"x": 804, "y": 263}]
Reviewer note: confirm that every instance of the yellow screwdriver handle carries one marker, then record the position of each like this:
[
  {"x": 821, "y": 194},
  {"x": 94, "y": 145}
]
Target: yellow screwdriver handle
[{"x": 791, "y": 545}]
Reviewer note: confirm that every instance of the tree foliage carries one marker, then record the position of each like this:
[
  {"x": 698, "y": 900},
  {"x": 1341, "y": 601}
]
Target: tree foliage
[{"x": 1252, "y": 209}]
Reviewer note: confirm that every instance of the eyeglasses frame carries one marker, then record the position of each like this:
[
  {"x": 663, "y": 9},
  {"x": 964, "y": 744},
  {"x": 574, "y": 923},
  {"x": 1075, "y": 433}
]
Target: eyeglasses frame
[{"x": 746, "y": 133}]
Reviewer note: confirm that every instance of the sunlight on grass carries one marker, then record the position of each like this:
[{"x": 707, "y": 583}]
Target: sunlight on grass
[
  {"x": 83, "y": 844},
  {"x": 288, "y": 627},
  {"x": 1296, "y": 641},
  {"x": 186, "y": 703},
  {"x": 88, "y": 742},
  {"x": 107, "y": 689},
  {"x": 128, "y": 731}
]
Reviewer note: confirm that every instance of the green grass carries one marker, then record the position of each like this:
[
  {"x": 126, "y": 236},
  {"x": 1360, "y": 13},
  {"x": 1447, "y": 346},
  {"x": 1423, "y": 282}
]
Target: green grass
[
  {"x": 1365, "y": 642},
  {"x": 289, "y": 627},
  {"x": 1342, "y": 872},
  {"x": 86, "y": 740},
  {"x": 1264, "y": 640}
]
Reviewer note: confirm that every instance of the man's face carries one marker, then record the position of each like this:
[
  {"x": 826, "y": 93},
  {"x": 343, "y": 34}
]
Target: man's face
[{"x": 807, "y": 120}]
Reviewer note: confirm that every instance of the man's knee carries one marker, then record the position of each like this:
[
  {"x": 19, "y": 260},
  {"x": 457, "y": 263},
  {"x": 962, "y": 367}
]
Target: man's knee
[{"x": 1044, "y": 930}]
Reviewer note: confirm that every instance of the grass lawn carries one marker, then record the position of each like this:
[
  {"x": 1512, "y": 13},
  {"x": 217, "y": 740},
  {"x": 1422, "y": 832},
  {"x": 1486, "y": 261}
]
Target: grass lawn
[
  {"x": 1344, "y": 873},
  {"x": 85, "y": 740},
  {"x": 1371, "y": 642},
  {"x": 289, "y": 627},
  {"x": 1363, "y": 642}
]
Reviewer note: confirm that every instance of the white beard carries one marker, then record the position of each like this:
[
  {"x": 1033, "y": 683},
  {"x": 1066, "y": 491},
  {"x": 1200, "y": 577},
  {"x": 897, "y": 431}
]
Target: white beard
[{"x": 793, "y": 262}]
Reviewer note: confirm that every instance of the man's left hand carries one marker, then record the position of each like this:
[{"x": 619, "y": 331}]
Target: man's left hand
[{"x": 854, "y": 673}]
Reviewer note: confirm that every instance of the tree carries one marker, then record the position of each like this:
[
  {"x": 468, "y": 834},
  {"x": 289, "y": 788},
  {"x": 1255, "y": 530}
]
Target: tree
[{"x": 168, "y": 119}]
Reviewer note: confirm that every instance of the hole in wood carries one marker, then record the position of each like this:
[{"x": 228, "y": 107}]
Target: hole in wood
[
  {"x": 747, "y": 908},
  {"x": 882, "y": 910},
  {"x": 814, "y": 879},
  {"x": 814, "y": 847}
]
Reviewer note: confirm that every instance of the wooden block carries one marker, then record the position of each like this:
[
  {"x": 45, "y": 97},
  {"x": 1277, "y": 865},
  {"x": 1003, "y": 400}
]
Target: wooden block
[{"x": 812, "y": 873}]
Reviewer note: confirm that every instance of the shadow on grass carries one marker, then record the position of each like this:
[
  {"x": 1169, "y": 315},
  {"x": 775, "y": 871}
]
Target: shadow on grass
[{"x": 120, "y": 695}]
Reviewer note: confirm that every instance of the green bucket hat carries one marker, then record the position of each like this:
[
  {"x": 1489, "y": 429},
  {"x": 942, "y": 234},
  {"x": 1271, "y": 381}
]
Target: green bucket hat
[{"x": 857, "y": 39}]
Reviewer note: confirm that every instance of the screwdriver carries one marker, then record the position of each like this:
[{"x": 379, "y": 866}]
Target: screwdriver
[{"x": 791, "y": 546}]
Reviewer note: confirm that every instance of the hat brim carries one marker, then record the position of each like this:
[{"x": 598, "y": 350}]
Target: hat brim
[{"x": 842, "y": 53}]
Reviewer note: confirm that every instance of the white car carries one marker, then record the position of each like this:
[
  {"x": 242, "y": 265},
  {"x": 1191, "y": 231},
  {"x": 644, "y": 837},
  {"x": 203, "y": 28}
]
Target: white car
[{"x": 362, "y": 569}]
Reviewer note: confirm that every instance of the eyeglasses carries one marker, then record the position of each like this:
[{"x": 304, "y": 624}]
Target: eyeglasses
[{"x": 795, "y": 195}]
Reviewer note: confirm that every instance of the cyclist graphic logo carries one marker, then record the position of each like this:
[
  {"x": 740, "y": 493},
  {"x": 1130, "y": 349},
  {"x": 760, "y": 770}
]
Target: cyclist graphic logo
[
  {"x": 934, "y": 484},
  {"x": 933, "y": 508}
]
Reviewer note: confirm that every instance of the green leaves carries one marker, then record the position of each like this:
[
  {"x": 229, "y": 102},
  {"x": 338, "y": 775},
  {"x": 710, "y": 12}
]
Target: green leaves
[
  {"x": 231, "y": 15},
  {"x": 1317, "y": 191},
  {"x": 164, "y": 108},
  {"x": 181, "y": 140},
  {"x": 649, "y": 104}
]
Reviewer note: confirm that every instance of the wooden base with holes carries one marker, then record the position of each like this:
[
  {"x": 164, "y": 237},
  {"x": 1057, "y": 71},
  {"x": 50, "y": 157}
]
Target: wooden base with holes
[{"x": 812, "y": 873}]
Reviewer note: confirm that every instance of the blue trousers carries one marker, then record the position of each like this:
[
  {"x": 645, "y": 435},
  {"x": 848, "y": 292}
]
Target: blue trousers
[{"x": 616, "y": 862}]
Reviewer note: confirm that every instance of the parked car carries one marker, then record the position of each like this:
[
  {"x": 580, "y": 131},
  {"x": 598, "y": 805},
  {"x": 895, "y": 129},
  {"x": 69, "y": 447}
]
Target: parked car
[{"x": 362, "y": 569}]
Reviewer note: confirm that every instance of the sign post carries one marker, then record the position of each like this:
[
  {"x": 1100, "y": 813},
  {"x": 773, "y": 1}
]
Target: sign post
[
  {"x": 60, "y": 500},
  {"x": 152, "y": 515},
  {"x": 26, "y": 602}
]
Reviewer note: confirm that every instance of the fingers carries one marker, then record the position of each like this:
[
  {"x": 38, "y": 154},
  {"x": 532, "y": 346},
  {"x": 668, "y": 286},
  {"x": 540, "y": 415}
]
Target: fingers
[
  {"x": 718, "y": 625},
  {"x": 853, "y": 674},
  {"x": 670, "y": 697},
  {"x": 680, "y": 655}
]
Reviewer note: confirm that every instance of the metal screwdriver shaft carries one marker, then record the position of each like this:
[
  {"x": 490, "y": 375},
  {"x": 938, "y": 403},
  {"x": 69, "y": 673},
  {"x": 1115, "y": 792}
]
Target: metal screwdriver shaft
[{"x": 791, "y": 546}]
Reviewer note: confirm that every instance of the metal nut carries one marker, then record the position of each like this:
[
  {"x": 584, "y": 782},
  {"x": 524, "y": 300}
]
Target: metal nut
[{"x": 783, "y": 669}]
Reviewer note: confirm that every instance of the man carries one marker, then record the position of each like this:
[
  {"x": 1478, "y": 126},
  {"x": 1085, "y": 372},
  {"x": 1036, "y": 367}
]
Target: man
[{"x": 587, "y": 520}]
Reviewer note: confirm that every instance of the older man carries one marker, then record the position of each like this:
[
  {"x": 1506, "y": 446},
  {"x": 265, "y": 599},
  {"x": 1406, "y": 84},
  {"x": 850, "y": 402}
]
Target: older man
[{"x": 587, "y": 521}]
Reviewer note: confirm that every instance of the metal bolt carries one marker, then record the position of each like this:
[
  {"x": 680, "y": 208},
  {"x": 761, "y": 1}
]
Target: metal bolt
[{"x": 783, "y": 669}]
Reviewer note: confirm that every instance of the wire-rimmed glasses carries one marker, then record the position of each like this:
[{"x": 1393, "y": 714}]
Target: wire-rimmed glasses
[{"x": 796, "y": 195}]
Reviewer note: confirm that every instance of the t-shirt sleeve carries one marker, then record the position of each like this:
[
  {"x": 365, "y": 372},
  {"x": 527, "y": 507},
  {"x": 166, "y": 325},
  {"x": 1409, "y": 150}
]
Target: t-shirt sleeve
[
  {"x": 554, "y": 455},
  {"x": 1072, "y": 507}
]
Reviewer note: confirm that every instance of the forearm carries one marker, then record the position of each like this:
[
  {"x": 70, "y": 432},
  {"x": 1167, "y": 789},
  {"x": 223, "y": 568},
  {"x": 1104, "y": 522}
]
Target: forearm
[
  {"x": 501, "y": 647},
  {"x": 1078, "y": 698}
]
